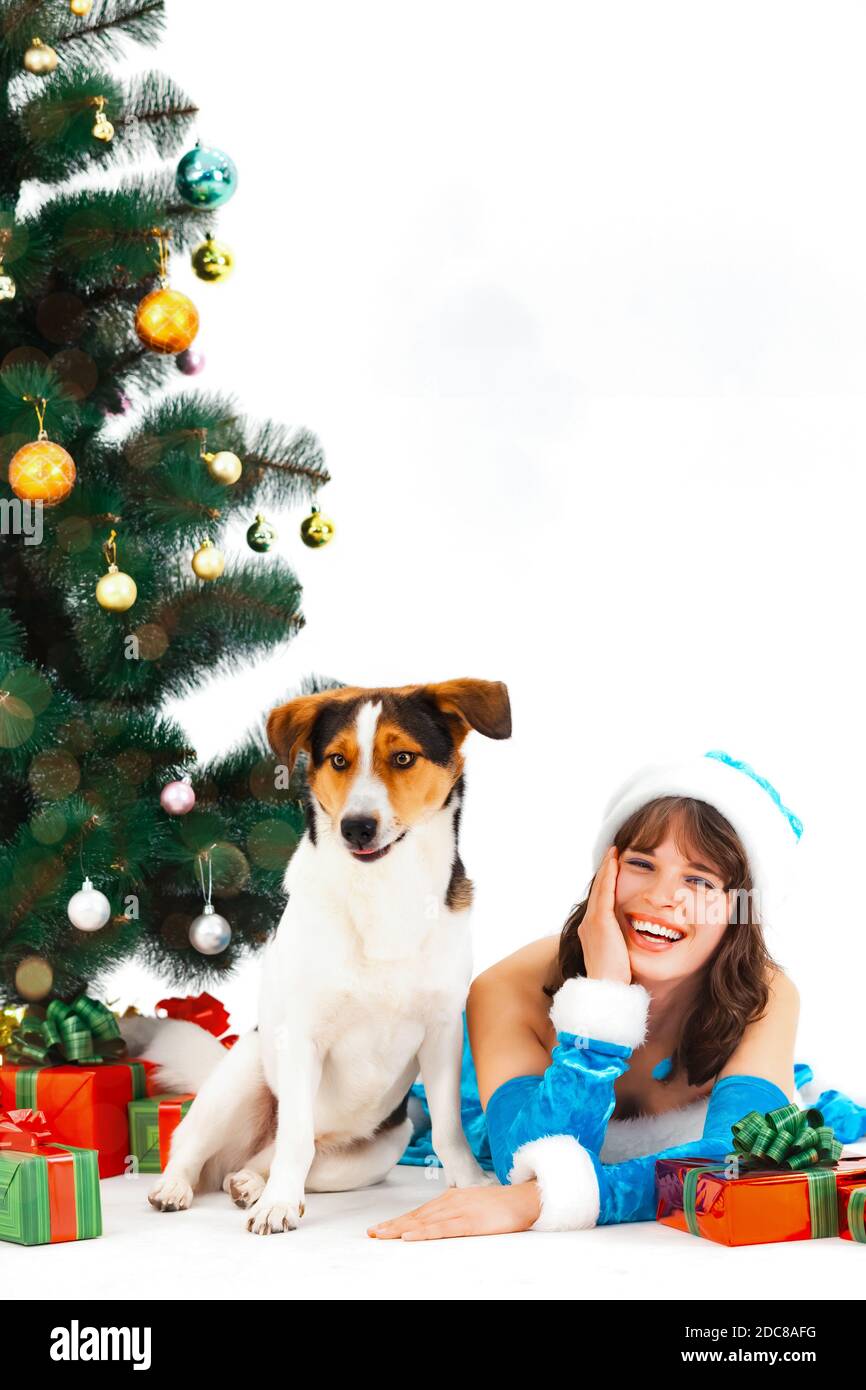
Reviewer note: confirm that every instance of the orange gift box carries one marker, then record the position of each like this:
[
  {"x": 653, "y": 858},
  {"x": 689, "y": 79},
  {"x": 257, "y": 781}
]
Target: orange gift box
[
  {"x": 85, "y": 1106},
  {"x": 759, "y": 1206}
]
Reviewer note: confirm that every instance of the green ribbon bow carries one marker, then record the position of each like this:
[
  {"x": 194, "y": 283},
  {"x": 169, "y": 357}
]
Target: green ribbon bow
[
  {"x": 784, "y": 1138},
  {"x": 84, "y": 1031}
]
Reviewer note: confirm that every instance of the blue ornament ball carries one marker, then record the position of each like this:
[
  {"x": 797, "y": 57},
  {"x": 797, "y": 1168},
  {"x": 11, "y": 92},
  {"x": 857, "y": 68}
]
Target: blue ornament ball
[{"x": 206, "y": 177}]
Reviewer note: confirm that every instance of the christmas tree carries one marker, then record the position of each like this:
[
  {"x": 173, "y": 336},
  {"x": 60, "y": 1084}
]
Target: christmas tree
[{"x": 103, "y": 497}]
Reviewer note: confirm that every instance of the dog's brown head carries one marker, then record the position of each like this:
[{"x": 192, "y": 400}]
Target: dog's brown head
[{"x": 382, "y": 761}]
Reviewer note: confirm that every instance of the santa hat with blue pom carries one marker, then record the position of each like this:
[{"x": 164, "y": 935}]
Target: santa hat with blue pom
[{"x": 769, "y": 831}]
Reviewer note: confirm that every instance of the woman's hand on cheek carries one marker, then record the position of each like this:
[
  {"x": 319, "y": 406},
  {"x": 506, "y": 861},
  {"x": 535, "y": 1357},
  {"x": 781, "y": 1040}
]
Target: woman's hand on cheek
[
  {"x": 605, "y": 953},
  {"x": 466, "y": 1211}
]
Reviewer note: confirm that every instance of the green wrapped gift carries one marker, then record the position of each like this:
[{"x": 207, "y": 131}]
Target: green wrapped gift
[
  {"x": 152, "y": 1122},
  {"x": 49, "y": 1193}
]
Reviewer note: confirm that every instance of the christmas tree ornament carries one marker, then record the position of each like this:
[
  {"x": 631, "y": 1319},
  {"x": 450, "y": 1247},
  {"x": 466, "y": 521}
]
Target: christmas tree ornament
[
  {"x": 177, "y": 797},
  {"x": 261, "y": 535},
  {"x": 81, "y": 8},
  {"x": 190, "y": 362},
  {"x": 206, "y": 177},
  {"x": 223, "y": 466},
  {"x": 115, "y": 591},
  {"x": 209, "y": 933},
  {"x": 102, "y": 128},
  {"x": 317, "y": 530},
  {"x": 40, "y": 58},
  {"x": 34, "y": 979},
  {"x": 88, "y": 909},
  {"x": 7, "y": 284},
  {"x": 208, "y": 562},
  {"x": 41, "y": 471},
  {"x": 212, "y": 261},
  {"x": 166, "y": 320}
]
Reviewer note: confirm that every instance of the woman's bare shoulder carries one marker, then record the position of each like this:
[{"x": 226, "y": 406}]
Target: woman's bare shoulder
[{"x": 529, "y": 967}]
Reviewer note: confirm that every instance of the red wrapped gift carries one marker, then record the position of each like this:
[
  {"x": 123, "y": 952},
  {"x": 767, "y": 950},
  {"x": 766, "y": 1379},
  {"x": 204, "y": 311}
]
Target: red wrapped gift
[
  {"x": 780, "y": 1183},
  {"x": 83, "y": 1105}
]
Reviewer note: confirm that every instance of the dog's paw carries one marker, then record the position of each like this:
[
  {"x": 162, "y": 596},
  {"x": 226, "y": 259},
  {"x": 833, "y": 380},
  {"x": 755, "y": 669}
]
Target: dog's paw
[
  {"x": 271, "y": 1215},
  {"x": 244, "y": 1187},
  {"x": 465, "y": 1172},
  {"x": 170, "y": 1194}
]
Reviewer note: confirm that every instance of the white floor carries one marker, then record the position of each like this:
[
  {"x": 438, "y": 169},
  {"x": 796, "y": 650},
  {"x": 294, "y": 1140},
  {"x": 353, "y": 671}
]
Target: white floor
[{"x": 206, "y": 1252}]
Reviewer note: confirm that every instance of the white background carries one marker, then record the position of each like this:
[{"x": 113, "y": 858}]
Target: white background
[{"x": 574, "y": 295}]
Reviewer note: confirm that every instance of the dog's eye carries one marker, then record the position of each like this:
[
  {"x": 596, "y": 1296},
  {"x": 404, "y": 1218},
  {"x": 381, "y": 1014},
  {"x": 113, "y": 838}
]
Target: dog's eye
[
  {"x": 404, "y": 759},
  {"x": 338, "y": 762}
]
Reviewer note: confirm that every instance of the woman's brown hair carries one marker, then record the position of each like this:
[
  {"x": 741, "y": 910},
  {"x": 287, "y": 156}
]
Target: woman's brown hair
[{"x": 734, "y": 985}]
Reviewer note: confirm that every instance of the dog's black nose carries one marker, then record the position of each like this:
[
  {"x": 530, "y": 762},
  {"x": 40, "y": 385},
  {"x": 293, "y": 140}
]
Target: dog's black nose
[{"x": 358, "y": 830}]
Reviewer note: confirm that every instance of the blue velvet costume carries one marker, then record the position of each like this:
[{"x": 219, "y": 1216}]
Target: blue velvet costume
[{"x": 575, "y": 1096}]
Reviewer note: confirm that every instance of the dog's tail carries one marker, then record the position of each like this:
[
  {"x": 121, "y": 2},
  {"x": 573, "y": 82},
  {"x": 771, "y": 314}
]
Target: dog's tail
[{"x": 184, "y": 1053}]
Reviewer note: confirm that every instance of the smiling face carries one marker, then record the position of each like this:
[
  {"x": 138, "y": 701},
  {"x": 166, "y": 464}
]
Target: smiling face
[
  {"x": 384, "y": 761},
  {"x": 680, "y": 869}
]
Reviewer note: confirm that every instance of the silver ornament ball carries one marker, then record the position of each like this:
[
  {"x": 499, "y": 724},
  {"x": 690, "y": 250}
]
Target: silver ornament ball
[
  {"x": 88, "y": 909},
  {"x": 209, "y": 933}
]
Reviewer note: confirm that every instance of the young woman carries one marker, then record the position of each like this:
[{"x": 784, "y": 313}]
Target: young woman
[{"x": 669, "y": 1018}]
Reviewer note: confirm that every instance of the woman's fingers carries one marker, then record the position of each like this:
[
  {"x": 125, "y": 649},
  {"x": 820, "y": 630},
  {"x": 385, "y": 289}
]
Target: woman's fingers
[
  {"x": 611, "y": 871},
  {"x": 441, "y": 1230},
  {"x": 430, "y": 1211}
]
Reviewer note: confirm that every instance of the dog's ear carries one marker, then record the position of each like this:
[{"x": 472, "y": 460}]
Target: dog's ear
[
  {"x": 290, "y": 727},
  {"x": 481, "y": 705}
]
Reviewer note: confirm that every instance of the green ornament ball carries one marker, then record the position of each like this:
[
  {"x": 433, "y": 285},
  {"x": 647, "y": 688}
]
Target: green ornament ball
[
  {"x": 261, "y": 535},
  {"x": 206, "y": 177}
]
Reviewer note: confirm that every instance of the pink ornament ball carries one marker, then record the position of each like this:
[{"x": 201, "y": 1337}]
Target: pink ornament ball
[
  {"x": 177, "y": 798},
  {"x": 190, "y": 362}
]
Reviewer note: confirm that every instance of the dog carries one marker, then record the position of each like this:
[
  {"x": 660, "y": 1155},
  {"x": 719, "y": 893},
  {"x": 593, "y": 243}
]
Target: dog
[{"x": 365, "y": 979}]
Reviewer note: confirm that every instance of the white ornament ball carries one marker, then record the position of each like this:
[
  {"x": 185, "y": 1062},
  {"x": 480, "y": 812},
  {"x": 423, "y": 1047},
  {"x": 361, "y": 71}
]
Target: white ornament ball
[
  {"x": 88, "y": 909},
  {"x": 210, "y": 933},
  {"x": 177, "y": 797}
]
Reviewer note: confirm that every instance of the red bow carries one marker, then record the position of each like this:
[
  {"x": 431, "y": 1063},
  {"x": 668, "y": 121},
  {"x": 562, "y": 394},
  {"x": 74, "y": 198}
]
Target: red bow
[
  {"x": 202, "y": 1009},
  {"x": 24, "y": 1130}
]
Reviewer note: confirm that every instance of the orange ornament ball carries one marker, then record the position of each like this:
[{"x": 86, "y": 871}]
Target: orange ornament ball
[
  {"x": 166, "y": 321},
  {"x": 42, "y": 472}
]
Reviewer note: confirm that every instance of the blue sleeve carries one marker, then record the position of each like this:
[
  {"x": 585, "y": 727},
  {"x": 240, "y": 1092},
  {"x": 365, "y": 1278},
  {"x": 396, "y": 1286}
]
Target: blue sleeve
[
  {"x": 627, "y": 1190},
  {"x": 575, "y": 1095}
]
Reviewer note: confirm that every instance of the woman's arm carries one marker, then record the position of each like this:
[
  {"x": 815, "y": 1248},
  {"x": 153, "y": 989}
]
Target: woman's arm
[{"x": 604, "y": 1194}]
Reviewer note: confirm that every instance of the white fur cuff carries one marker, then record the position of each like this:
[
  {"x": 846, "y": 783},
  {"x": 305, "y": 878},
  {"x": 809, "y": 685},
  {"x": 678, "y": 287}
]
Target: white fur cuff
[
  {"x": 609, "y": 1010},
  {"x": 566, "y": 1181}
]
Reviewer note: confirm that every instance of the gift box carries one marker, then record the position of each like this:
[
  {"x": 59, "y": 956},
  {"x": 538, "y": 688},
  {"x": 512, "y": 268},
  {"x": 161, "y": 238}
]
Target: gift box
[
  {"x": 49, "y": 1192},
  {"x": 783, "y": 1181},
  {"x": 851, "y": 1189},
  {"x": 84, "y": 1106},
  {"x": 152, "y": 1122}
]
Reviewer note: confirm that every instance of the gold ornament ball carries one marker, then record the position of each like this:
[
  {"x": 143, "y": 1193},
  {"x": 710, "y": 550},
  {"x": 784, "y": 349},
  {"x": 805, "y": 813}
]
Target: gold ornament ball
[
  {"x": 81, "y": 8},
  {"x": 224, "y": 467},
  {"x": 116, "y": 591},
  {"x": 102, "y": 128},
  {"x": 42, "y": 472},
  {"x": 212, "y": 261},
  {"x": 208, "y": 562},
  {"x": 7, "y": 285},
  {"x": 34, "y": 978},
  {"x": 166, "y": 321},
  {"x": 317, "y": 530},
  {"x": 40, "y": 58}
]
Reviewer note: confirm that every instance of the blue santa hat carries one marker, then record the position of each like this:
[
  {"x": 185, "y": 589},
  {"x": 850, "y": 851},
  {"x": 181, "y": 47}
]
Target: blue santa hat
[{"x": 768, "y": 829}]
